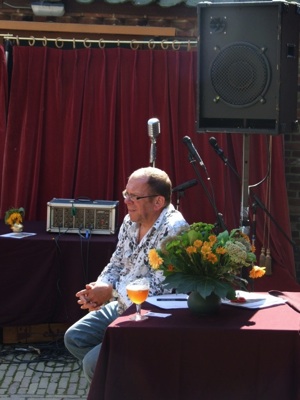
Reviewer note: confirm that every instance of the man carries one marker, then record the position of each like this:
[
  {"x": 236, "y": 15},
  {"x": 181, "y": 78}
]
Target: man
[{"x": 151, "y": 218}]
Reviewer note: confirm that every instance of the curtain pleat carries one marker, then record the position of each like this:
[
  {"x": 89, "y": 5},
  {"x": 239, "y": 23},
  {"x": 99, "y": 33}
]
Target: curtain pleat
[
  {"x": 3, "y": 104},
  {"x": 77, "y": 126}
]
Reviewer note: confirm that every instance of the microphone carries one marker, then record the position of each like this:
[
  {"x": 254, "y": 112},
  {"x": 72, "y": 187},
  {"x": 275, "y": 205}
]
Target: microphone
[
  {"x": 185, "y": 185},
  {"x": 187, "y": 141},
  {"x": 153, "y": 132},
  {"x": 153, "y": 128},
  {"x": 213, "y": 142}
]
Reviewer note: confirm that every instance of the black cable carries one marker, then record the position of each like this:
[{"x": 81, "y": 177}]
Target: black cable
[
  {"x": 220, "y": 153},
  {"x": 53, "y": 354},
  {"x": 59, "y": 269},
  {"x": 85, "y": 263},
  {"x": 268, "y": 170}
]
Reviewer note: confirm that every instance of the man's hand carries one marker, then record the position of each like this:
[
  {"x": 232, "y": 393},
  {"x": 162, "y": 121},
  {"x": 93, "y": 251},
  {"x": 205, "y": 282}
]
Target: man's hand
[{"x": 94, "y": 295}]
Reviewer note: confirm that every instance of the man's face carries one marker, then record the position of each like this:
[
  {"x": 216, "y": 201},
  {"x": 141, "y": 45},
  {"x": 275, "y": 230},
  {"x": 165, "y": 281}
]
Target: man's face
[{"x": 143, "y": 210}]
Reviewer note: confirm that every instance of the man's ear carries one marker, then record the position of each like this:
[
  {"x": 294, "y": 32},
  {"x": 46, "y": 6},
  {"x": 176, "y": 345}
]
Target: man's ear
[{"x": 159, "y": 202}]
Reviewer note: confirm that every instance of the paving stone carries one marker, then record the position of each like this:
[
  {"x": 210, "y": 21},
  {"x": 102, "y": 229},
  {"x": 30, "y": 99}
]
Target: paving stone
[{"x": 21, "y": 379}]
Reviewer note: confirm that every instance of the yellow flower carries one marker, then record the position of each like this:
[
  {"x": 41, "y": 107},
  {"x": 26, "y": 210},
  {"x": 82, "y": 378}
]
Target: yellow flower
[
  {"x": 198, "y": 243},
  {"x": 206, "y": 248},
  {"x": 212, "y": 239},
  {"x": 212, "y": 258},
  {"x": 257, "y": 272},
  {"x": 14, "y": 218},
  {"x": 221, "y": 250},
  {"x": 154, "y": 259},
  {"x": 191, "y": 249}
]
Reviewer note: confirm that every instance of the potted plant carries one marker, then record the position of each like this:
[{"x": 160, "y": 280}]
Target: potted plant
[{"x": 206, "y": 265}]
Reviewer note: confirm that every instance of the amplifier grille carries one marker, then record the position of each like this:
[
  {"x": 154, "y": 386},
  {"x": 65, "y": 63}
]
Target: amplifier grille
[
  {"x": 84, "y": 218},
  {"x": 70, "y": 216}
]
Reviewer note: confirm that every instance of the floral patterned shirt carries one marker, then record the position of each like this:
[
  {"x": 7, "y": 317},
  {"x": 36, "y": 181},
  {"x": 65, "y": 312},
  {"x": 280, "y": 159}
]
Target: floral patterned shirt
[{"x": 130, "y": 259}]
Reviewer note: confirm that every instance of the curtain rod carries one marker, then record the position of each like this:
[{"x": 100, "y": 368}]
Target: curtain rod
[{"x": 134, "y": 44}]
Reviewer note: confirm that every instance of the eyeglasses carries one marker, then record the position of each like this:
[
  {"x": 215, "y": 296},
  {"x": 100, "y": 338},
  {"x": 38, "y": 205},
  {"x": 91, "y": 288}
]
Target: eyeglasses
[{"x": 133, "y": 197}]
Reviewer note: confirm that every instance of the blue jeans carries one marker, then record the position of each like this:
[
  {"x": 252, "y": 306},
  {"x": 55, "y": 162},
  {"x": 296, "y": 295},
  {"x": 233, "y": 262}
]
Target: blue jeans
[{"x": 84, "y": 338}]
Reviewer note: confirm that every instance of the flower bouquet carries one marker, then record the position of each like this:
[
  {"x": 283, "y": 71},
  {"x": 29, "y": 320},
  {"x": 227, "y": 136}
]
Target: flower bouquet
[
  {"x": 199, "y": 260},
  {"x": 14, "y": 218}
]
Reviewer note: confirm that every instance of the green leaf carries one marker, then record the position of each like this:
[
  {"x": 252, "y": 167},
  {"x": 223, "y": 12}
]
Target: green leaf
[
  {"x": 222, "y": 238},
  {"x": 182, "y": 282},
  {"x": 222, "y": 289},
  {"x": 204, "y": 285}
]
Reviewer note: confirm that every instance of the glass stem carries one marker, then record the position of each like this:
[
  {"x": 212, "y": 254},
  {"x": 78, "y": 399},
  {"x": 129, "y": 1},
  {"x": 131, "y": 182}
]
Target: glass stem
[{"x": 138, "y": 311}]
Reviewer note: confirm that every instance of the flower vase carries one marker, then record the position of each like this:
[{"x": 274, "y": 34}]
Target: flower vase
[
  {"x": 17, "y": 227},
  {"x": 204, "y": 306}
]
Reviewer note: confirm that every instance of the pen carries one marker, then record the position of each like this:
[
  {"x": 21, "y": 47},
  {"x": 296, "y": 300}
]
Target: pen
[{"x": 171, "y": 299}]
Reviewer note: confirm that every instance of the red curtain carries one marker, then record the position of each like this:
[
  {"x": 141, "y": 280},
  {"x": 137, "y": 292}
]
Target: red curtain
[
  {"x": 3, "y": 103},
  {"x": 77, "y": 126}
]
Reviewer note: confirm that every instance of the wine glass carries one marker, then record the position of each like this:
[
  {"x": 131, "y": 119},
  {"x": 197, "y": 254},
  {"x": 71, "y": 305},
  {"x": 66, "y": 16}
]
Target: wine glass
[{"x": 137, "y": 292}]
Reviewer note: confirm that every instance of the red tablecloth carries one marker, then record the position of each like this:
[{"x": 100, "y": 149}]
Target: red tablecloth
[
  {"x": 239, "y": 354},
  {"x": 40, "y": 274}
]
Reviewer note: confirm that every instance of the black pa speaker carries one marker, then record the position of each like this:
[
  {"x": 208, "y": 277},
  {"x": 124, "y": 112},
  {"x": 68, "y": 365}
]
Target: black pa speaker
[{"x": 247, "y": 67}]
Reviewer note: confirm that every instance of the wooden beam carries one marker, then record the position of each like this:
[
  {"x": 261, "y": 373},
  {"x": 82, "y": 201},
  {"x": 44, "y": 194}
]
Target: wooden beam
[{"x": 28, "y": 26}]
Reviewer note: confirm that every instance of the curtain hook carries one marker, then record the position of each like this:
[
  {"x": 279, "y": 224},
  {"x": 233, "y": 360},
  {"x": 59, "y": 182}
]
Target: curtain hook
[
  {"x": 31, "y": 41},
  {"x": 56, "y": 43},
  {"x": 189, "y": 45},
  {"x": 44, "y": 41},
  {"x": 164, "y": 45},
  {"x": 101, "y": 43},
  {"x": 17, "y": 40},
  {"x": 132, "y": 45},
  {"x": 86, "y": 44},
  {"x": 74, "y": 43},
  {"x": 174, "y": 47},
  {"x": 151, "y": 44}
]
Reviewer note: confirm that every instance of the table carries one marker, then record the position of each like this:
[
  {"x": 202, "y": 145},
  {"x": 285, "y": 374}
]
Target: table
[
  {"x": 237, "y": 354},
  {"x": 40, "y": 274}
]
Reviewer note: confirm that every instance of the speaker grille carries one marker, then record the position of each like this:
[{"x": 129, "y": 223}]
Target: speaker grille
[{"x": 240, "y": 74}]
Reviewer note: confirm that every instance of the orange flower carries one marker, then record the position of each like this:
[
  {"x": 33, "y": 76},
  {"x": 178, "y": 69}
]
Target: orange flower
[
  {"x": 170, "y": 268},
  {"x": 221, "y": 250},
  {"x": 257, "y": 272},
  {"x": 212, "y": 258},
  {"x": 198, "y": 243},
  {"x": 212, "y": 239},
  {"x": 191, "y": 249},
  {"x": 206, "y": 248},
  {"x": 14, "y": 218}
]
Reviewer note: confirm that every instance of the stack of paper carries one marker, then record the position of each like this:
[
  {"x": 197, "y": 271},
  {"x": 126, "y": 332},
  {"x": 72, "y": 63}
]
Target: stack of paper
[{"x": 169, "y": 301}]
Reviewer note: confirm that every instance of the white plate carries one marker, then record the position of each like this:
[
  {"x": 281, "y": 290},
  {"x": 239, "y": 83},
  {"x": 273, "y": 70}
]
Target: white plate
[{"x": 254, "y": 300}]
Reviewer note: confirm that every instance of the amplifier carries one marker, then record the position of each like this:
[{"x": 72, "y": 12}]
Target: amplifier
[{"x": 71, "y": 216}]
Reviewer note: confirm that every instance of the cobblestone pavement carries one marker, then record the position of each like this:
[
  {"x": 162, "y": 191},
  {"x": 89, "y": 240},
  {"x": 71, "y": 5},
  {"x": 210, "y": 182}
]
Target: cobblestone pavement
[{"x": 40, "y": 371}]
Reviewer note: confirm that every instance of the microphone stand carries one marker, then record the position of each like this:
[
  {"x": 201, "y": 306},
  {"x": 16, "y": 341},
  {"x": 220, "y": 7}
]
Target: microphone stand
[
  {"x": 180, "y": 194},
  {"x": 258, "y": 202},
  {"x": 244, "y": 210},
  {"x": 263, "y": 207},
  {"x": 219, "y": 217},
  {"x": 153, "y": 152}
]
